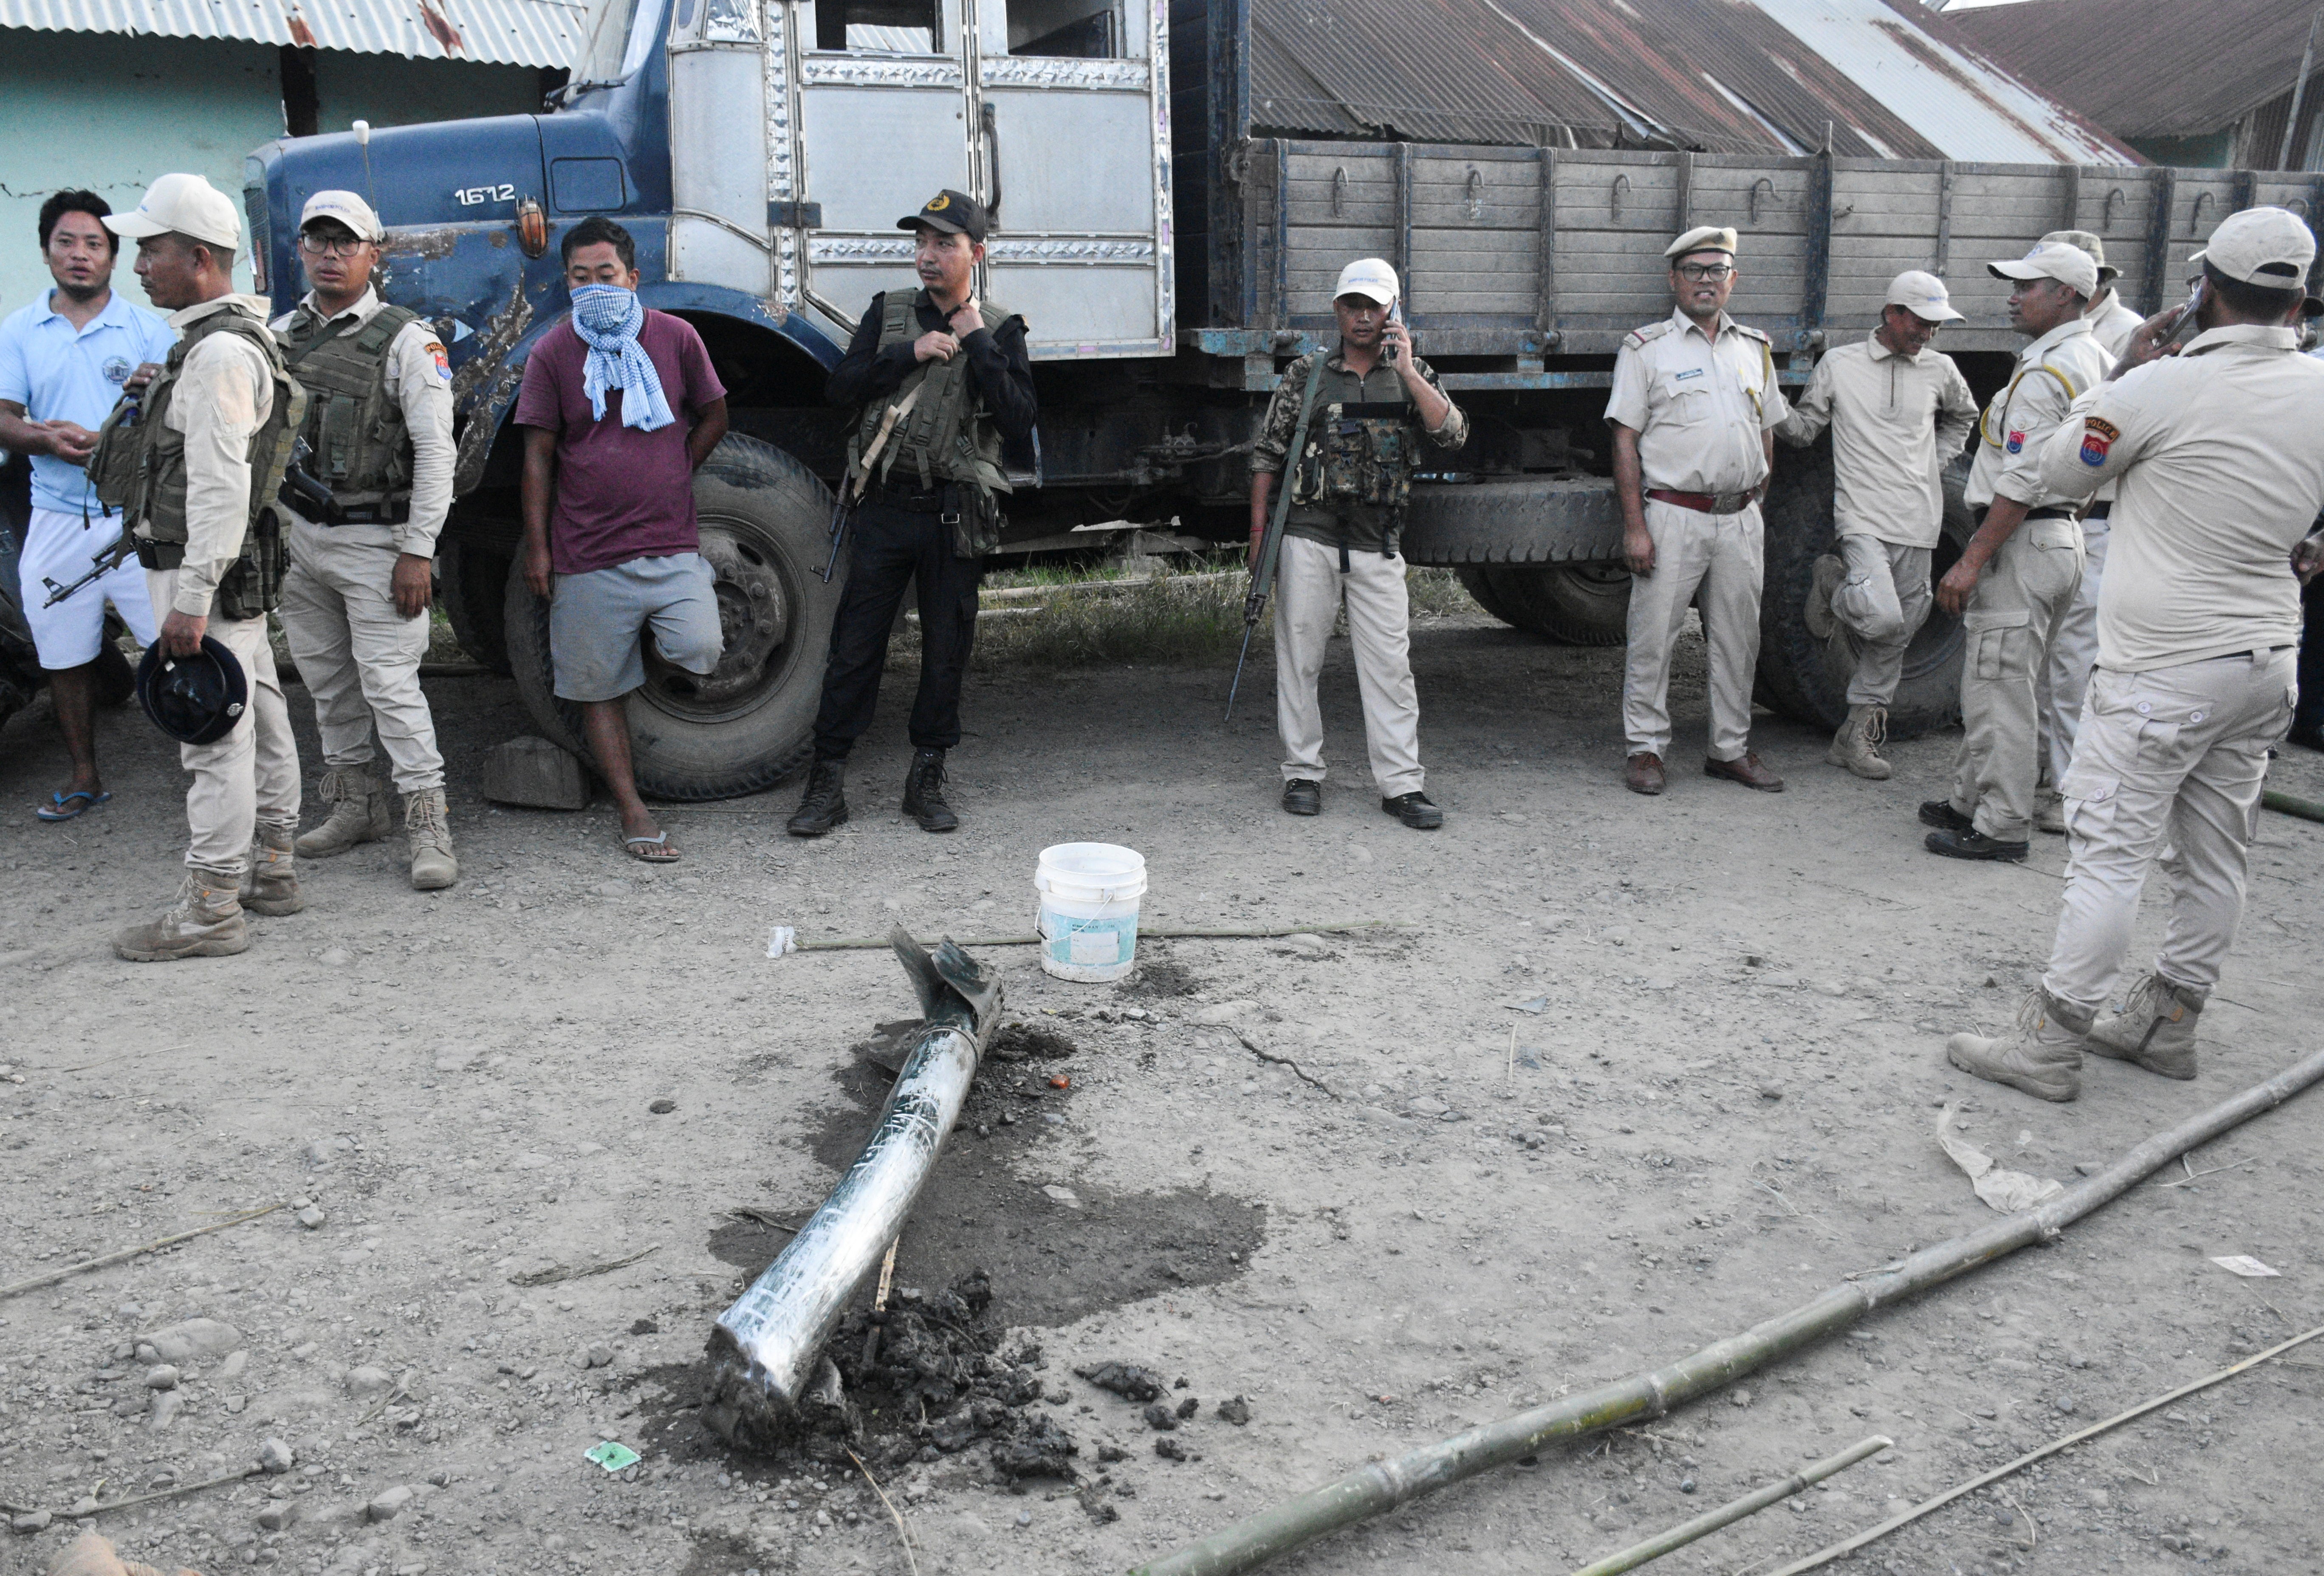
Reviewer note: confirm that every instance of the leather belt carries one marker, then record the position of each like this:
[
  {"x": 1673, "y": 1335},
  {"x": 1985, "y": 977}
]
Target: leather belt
[
  {"x": 1702, "y": 503},
  {"x": 2050, "y": 514}
]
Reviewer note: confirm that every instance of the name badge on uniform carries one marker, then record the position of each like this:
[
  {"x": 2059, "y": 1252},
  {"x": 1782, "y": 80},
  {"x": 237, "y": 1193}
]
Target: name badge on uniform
[{"x": 1680, "y": 377}]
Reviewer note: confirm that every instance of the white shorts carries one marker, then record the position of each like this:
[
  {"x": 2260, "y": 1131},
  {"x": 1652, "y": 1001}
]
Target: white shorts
[{"x": 57, "y": 548}]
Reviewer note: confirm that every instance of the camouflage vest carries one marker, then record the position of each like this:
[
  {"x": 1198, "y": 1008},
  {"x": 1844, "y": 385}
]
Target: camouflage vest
[
  {"x": 355, "y": 428},
  {"x": 946, "y": 436},
  {"x": 1355, "y": 451},
  {"x": 139, "y": 467}
]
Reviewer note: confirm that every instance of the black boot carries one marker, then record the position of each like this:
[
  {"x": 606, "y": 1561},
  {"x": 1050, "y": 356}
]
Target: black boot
[
  {"x": 825, "y": 804},
  {"x": 924, "y": 798}
]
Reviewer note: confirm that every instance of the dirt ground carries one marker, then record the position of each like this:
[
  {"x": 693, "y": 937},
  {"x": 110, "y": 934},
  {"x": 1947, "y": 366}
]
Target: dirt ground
[{"x": 1724, "y": 1102}]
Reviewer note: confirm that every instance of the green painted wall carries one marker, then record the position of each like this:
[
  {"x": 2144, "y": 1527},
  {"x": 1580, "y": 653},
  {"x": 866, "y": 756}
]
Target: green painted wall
[{"x": 110, "y": 113}]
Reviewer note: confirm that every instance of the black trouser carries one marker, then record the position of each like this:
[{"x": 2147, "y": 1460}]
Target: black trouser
[
  {"x": 888, "y": 547},
  {"x": 2308, "y": 721}
]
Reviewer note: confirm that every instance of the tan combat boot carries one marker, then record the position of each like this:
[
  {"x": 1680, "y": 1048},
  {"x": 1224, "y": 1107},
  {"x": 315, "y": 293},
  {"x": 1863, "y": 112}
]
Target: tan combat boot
[
  {"x": 206, "y": 922},
  {"x": 432, "y": 864},
  {"x": 2044, "y": 1057},
  {"x": 360, "y": 813},
  {"x": 2155, "y": 1027},
  {"x": 1857, "y": 745},
  {"x": 271, "y": 886}
]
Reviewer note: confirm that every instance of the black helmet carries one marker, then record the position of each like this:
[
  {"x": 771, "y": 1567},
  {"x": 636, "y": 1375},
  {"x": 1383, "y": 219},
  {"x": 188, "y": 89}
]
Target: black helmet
[{"x": 198, "y": 699}]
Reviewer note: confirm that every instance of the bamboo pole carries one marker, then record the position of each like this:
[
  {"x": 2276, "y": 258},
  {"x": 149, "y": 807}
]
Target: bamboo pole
[
  {"x": 2292, "y": 805},
  {"x": 1382, "y": 1486},
  {"x": 1144, "y": 932},
  {"x": 1734, "y": 1510}
]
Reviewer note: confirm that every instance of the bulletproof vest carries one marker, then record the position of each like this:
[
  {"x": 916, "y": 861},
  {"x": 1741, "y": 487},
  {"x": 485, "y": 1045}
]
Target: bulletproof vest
[
  {"x": 1356, "y": 451},
  {"x": 947, "y": 434},
  {"x": 361, "y": 449},
  {"x": 139, "y": 466}
]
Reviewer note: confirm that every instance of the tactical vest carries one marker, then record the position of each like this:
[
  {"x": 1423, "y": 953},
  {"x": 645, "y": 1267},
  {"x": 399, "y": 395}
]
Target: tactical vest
[
  {"x": 947, "y": 434},
  {"x": 139, "y": 467},
  {"x": 1357, "y": 452},
  {"x": 356, "y": 428}
]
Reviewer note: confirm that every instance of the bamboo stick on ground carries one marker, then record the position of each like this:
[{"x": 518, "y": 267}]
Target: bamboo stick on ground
[
  {"x": 1871, "y": 1534},
  {"x": 1382, "y": 1486},
  {"x": 1144, "y": 932},
  {"x": 2292, "y": 805},
  {"x": 1734, "y": 1510},
  {"x": 124, "y": 1254}
]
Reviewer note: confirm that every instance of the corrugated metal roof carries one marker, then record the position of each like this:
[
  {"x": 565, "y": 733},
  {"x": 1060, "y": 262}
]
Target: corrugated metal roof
[
  {"x": 2149, "y": 67},
  {"x": 1721, "y": 76},
  {"x": 512, "y": 33}
]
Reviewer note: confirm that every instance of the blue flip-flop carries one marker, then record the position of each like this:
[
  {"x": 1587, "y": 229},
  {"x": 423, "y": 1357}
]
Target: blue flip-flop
[{"x": 60, "y": 806}]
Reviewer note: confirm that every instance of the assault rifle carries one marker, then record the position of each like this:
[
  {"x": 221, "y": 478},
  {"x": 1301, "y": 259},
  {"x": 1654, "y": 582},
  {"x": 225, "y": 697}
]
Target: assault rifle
[
  {"x": 1270, "y": 545},
  {"x": 296, "y": 480},
  {"x": 859, "y": 476}
]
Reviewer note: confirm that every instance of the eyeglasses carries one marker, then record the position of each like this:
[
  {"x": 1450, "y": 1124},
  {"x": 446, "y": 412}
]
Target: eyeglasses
[
  {"x": 324, "y": 246},
  {"x": 1705, "y": 273}
]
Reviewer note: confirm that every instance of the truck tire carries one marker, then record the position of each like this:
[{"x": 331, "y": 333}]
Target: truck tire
[
  {"x": 1807, "y": 678},
  {"x": 472, "y": 582},
  {"x": 749, "y": 722},
  {"x": 1573, "y": 604},
  {"x": 1480, "y": 585},
  {"x": 117, "y": 680}
]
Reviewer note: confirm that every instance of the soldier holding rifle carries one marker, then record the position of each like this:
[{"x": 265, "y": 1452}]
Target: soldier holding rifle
[{"x": 1333, "y": 541}]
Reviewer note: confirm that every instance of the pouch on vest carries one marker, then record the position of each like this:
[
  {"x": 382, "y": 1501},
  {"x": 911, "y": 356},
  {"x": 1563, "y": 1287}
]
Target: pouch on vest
[{"x": 1359, "y": 452}]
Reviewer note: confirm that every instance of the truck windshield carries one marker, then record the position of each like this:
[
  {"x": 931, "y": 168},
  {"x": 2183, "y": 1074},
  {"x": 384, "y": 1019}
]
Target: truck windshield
[{"x": 645, "y": 32}]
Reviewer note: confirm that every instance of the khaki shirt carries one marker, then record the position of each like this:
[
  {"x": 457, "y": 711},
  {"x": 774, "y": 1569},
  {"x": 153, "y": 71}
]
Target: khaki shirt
[
  {"x": 418, "y": 379},
  {"x": 1698, "y": 406},
  {"x": 2052, "y": 372},
  {"x": 1896, "y": 421},
  {"x": 2112, "y": 322},
  {"x": 2219, "y": 474},
  {"x": 225, "y": 394}
]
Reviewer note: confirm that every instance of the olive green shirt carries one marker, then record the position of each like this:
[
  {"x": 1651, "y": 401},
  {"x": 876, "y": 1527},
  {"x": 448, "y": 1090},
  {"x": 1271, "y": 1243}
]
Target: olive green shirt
[{"x": 1360, "y": 526}]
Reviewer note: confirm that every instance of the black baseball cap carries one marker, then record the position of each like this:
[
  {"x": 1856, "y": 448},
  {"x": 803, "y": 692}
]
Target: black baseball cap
[{"x": 956, "y": 213}]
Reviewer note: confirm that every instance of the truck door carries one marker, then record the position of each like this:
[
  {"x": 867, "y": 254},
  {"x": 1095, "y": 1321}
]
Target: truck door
[
  {"x": 1073, "y": 113},
  {"x": 887, "y": 117}
]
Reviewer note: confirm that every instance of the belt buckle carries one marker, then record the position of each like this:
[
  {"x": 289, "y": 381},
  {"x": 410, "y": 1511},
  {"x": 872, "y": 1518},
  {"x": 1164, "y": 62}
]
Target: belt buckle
[{"x": 949, "y": 517}]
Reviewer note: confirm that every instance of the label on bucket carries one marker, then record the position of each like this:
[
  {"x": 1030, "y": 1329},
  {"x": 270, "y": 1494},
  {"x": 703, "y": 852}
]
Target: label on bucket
[
  {"x": 1085, "y": 947},
  {"x": 1089, "y": 942}
]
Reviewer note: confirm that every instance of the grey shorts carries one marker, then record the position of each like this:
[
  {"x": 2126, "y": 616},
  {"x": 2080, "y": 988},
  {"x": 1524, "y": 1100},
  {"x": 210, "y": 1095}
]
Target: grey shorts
[{"x": 596, "y": 620}]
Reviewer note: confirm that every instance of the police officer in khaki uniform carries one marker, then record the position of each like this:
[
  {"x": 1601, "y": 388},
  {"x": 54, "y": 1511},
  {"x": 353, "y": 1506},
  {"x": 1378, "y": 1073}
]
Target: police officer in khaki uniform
[
  {"x": 2074, "y": 642},
  {"x": 1350, "y": 472},
  {"x": 2021, "y": 568},
  {"x": 1695, "y": 410},
  {"x": 1899, "y": 412},
  {"x": 193, "y": 465},
  {"x": 354, "y": 600},
  {"x": 2220, "y": 484}
]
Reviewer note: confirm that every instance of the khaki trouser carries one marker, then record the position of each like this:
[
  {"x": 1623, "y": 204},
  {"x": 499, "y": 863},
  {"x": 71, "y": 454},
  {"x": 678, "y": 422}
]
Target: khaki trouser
[
  {"x": 1722, "y": 555},
  {"x": 2073, "y": 653},
  {"x": 358, "y": 656},
  {"x": 254, "y": 770},
  {"x": 2173, "y": 755},
  {"x": 2008, "y": 622},
  {"x": 1883, "y": 601},
  {"x": 1309, "y": 591}
]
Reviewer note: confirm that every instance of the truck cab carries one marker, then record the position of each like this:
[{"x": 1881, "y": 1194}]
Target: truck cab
[{"x": 760, "y": 152}]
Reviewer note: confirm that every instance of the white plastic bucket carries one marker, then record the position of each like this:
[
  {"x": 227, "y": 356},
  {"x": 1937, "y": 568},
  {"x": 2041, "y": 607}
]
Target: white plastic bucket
[{"x": 1089, "y": 909}]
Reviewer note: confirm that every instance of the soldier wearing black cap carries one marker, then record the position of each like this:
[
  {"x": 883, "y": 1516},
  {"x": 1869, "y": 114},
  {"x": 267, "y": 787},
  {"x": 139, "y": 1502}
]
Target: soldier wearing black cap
[{"x": 939, "y": 380}]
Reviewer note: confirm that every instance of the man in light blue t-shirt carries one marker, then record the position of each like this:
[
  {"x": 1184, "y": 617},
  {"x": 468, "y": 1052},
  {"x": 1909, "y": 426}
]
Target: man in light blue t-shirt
[{"x": 64, "y": 362}]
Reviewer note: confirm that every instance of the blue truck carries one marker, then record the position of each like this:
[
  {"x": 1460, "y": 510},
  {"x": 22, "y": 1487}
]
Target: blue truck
[{"x": 1171, "y": 254}]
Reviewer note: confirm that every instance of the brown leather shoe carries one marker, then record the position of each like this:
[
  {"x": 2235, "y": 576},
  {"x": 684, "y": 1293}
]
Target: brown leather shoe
[
  {"x": 1745, "y": 770},
  {"x": 1643, "y": 773}
]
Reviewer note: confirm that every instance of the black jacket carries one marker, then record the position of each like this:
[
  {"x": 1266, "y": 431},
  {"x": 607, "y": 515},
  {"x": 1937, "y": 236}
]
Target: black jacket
[{"x": 998, "y": 367}]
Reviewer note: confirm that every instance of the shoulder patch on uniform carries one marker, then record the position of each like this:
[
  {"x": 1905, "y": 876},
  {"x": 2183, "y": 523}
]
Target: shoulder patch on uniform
[
  {"x": 2098, "y": 438},
  {"x": 2016, "y": 442},
  {"x": 1749, "y": 331},
  {"x": 1648, "y": 333},
  {"x": 442, "y": 358}
]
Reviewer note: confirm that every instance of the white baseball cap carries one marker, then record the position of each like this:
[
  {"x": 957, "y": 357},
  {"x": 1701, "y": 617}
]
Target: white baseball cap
[
  {"x": 1922, "y": 295},
  {"x": 184, "y": 204},
  {"x": 349, "y": 209},
  {"x": 2266, "y": 246},
  {"x": 2070, "y": 265},
  {"x": 1370, "y": 278}
]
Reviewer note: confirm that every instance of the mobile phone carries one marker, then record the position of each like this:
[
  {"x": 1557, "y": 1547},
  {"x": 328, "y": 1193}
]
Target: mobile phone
[
  {"x": 2187, "y": 312},
  {"x": 1395, "y": 315}
]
